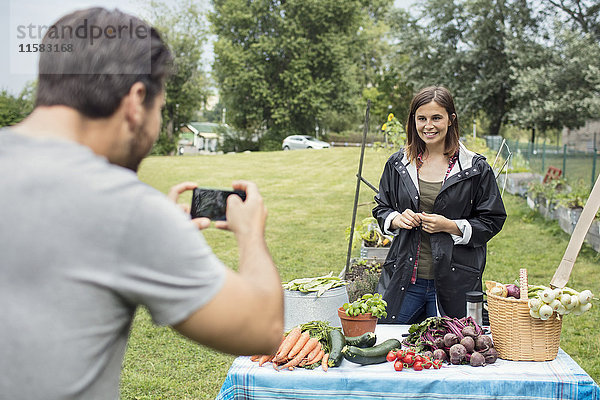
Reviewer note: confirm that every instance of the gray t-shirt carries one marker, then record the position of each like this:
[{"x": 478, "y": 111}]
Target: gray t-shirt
[{"x": 82, "y": 244}]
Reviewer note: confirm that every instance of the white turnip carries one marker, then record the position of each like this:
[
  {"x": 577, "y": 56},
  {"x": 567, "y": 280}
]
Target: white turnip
[
  {"x": 547, "y": 295},
  {"x": 562, "y": 310},
  {"x": 580, "y": 309},
  {"x": 535, "y": 303},
  {"x": 545, "y": 312},
  {"x": 574, "y": 301},
  {"x": 565, "y": 299},
  {"x": 585, "y": 297},
  {"x": 477, "y": 360},
  {"x": 554, "y": 304}
]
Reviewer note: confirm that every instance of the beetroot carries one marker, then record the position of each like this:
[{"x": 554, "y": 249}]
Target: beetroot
[
  {"x": 440, "y": 354},
  {"x": 483, "y": 343},
  {"x": 491, "y": 356},
  {"x": 469, "y": 343},
  {"x": 450, "y": 339},
  {"x": 458, "y": 353},
  {"x": 477, "y": 360},
  {"x": 469, "y": 331},
  {"x": 438, "y": 343}
]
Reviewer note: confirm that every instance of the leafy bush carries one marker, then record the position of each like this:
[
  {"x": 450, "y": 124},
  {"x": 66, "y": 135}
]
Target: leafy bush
[{"x": 576, "y": 197}]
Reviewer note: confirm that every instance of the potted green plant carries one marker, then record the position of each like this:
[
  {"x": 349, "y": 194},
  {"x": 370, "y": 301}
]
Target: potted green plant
[
  {"x": 361, "y": 315},
  {"x": 362, "y": 277},
  {"x": 374, "y": 243}
]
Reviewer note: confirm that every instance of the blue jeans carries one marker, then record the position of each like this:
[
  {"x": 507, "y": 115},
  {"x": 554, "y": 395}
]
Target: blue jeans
[{"x": 419, "y": 302}]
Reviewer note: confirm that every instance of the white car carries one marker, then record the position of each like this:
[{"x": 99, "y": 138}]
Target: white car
[{"x": 295, "y": 142}]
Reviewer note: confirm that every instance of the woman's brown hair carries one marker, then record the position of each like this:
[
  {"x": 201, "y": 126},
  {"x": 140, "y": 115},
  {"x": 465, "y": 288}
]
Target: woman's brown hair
[{"x": 414, "y": 144}]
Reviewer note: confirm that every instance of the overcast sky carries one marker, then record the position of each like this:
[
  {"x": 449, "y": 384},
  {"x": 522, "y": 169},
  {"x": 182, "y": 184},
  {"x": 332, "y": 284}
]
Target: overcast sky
[{"x": 20, "y": 20}]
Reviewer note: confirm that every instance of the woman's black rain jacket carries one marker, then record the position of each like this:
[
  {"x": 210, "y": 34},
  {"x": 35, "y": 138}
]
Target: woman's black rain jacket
[{"x": 469, "y": 192}]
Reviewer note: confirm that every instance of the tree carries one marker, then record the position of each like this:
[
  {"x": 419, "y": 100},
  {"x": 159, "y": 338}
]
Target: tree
[
  {"x": 463, "y": 45},
  {"x": 384, "y": 81},
  {"x": 581, "y": 14},
  {"x": 183, "y": 29},
  {"x": 563, "y": 88},
  {"x": 283, "y": 65},
  {"x": 13, "y": 109}
]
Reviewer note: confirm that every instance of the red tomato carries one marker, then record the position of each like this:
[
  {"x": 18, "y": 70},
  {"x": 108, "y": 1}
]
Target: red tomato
[
  {"x": 437, "y": 364},
  {"x": 411, "y": 352},
  {"x": 391, "y": 356},
  {"x": 418, "y": 366},
  {"x": 401, "y": 354},
  {"x": 408, "y": 359},
  {"x": 398, "y": 365},
  {"x": 427, "y": 364},
  {"x": 418, "y": 358}
]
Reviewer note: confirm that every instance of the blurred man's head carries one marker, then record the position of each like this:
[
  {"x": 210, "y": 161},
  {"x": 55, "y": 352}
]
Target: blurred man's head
[{"x": 97, "y": 58}]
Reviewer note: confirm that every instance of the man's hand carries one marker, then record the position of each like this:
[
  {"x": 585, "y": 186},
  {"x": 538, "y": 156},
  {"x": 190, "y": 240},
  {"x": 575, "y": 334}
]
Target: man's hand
[
  {"x": 245, "y": 217},
  {"x": 174, "y": 193}
]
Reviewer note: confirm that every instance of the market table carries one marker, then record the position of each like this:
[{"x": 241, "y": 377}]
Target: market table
[{"x": 561, "y": 378}]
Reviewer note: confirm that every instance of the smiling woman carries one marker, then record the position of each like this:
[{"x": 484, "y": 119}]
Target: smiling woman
[{"x": 442, "y": 204}]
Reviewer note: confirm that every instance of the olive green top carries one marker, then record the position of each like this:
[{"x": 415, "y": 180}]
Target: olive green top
[{"x": 429, "y": 192}]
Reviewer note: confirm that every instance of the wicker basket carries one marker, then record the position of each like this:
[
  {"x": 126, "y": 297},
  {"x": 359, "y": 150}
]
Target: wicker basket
[{"x": 519, "y": 337}]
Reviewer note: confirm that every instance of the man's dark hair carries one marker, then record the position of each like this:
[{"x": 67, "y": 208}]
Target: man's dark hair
[{"x": 95, "y": 56}]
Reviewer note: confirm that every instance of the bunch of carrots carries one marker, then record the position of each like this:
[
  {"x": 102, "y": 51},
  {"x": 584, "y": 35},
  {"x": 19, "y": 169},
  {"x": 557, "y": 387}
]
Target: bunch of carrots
[{"x": 304, "y": 346}]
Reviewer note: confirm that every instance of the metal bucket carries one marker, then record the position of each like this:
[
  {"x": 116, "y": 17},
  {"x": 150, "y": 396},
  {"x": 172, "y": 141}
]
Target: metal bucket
[{"x": 300, "y": 308}]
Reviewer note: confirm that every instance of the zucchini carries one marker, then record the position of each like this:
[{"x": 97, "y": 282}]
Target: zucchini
[
  {"x": 338, "y": 341},
  {"x": 372, "y": 355},
  {"x": 365, "y": 340}
]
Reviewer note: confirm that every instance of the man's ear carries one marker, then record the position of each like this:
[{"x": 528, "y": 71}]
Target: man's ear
[{"x": 134, "y": 104}]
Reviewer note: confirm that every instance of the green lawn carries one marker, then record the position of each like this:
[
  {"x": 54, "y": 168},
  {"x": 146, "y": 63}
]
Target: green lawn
[{"x": 310, "y": 195}]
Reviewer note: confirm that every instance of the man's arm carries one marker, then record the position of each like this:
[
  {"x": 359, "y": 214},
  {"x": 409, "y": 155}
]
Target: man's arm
[{"x": 246, "y": 315}]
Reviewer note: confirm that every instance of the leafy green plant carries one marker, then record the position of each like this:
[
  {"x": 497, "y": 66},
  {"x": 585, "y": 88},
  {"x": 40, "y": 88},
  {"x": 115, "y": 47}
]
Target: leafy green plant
[
  {"x": 369, "y": 231},
  {"x": 549, "y": 190},
  {"x": 368, "y": 303},
  {"x": 393, "y": 132},
  {"x": 576, "y": 197},
  {"x": 362, "y": 276}
]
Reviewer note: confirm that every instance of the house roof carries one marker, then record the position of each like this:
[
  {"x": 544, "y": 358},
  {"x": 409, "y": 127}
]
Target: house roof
[{"x": 205, "y": 129}]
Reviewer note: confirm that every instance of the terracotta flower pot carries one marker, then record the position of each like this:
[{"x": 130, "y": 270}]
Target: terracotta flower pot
[{"x": 356, "y": 326}]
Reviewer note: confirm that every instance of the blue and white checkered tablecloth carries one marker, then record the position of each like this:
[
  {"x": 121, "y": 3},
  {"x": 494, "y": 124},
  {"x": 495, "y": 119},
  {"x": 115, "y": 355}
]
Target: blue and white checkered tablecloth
[{"x": 561, "y": 378}]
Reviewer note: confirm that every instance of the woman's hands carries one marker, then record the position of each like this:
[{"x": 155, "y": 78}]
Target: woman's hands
[
  {"x": 430, "y": 223},
  {"x": 408, "y": 219}
]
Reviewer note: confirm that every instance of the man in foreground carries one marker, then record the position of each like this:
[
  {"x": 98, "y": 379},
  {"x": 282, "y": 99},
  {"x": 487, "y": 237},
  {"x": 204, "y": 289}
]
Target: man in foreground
[{"x": 83, "y": 242}]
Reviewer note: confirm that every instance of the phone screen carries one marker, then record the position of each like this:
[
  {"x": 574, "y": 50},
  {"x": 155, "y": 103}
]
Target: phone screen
[{"x": 212, "y": 203}]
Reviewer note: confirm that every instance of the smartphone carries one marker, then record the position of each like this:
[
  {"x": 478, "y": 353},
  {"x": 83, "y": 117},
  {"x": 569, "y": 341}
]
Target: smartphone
[{"x": 212, "y": 203}]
